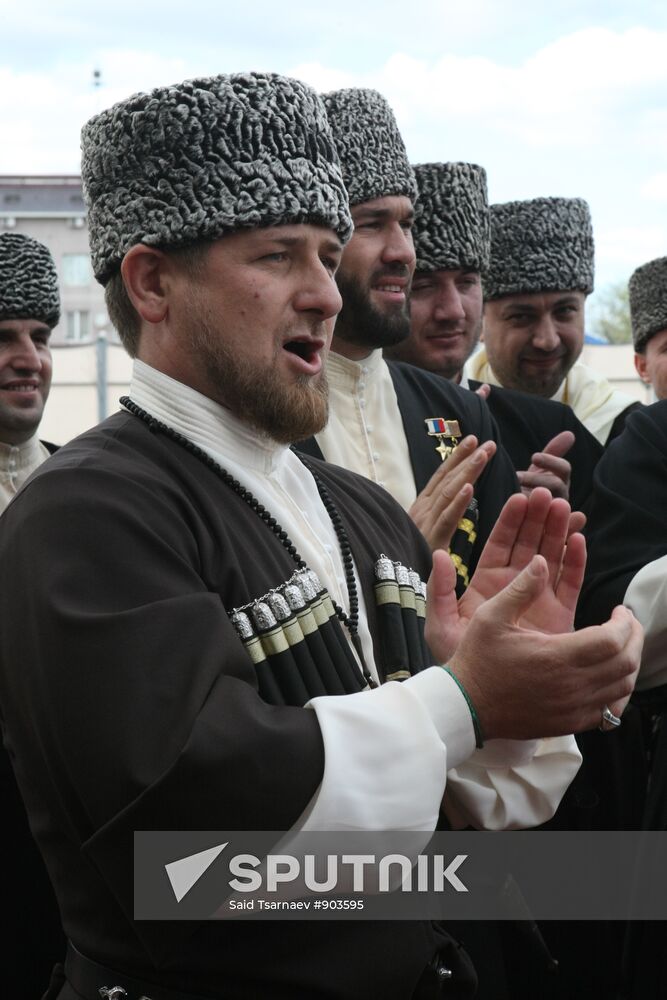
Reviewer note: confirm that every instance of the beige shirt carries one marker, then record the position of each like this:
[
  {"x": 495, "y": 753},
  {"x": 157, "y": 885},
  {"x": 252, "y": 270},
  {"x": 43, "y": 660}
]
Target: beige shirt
[
  {"x": 17, "y": 462},
  {"x": 365, "y": 431},
  {"x": 594, "y": 400}
]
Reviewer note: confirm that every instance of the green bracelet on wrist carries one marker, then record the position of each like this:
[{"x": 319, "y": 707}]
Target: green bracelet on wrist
[{"x": 479, "y": 738}]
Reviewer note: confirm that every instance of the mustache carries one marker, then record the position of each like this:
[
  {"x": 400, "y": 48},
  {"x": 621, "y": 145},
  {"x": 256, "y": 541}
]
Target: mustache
[
  {"x": 396, "y": 270},
  {"x": 537, "y": 355}
]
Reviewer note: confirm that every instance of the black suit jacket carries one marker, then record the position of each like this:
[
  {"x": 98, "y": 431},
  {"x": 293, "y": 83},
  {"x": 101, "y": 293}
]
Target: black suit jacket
[
  {"x": 33, "y": 938},
  {"x": 526, "y": 423},
  {"x": 421, "y": 395}
]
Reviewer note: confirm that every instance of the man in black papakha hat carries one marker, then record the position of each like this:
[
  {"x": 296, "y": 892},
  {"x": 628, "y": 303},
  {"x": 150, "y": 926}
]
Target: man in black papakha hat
[
  {"x": 540, "y": 272},
  {"x": 170, "y": 553},
  {"x": 388, "y": 421},
  {"x": 648, "y": 313},
  {"x": 451, "y": 237},
  {"x": 29, "y": 309}
]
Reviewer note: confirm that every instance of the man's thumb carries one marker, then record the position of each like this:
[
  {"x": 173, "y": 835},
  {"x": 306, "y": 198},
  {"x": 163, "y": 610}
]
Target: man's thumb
[
  {"x": 442, "y": 581},
  {"x": 513, "y": 600}
]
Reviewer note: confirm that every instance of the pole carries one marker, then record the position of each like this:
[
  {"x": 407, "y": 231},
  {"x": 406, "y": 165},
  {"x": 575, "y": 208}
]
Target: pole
[{"x": 101, "y": 350}]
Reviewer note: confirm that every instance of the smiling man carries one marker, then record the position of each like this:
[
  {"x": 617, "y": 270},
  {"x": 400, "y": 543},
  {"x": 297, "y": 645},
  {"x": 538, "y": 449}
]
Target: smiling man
[
  {"x": 29, "y": 309},
  {"x": 540, "y": 273},
  {"x": 384, "y": 418},
  {"x": 648, "y": 312},
  {"x": 451, "y": 237},
  {"x": 214, "y": 619},
  {"x": 452, "y": 243}
]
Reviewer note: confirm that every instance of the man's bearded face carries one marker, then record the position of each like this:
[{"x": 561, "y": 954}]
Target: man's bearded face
[{"x": 375, "y": 273}]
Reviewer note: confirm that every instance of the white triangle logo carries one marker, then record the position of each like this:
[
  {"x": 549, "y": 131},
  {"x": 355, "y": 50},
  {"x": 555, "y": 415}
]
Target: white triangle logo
[{"x": 186, "y": 871}]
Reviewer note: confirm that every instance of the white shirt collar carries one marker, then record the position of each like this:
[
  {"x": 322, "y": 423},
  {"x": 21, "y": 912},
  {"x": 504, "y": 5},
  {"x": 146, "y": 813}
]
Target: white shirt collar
[
  {"x": 345, "y": 374},
  {"x": 22, "y": 456},
  {"x": 203, "y": 420}
]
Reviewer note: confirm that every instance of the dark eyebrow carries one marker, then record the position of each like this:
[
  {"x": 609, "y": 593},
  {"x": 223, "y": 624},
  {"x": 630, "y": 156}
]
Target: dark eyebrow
[
  {"x": 567, "y": 300},
  {"x": 330, "y": 245},
  {"x": 519, "y": 307},
  {"x": 381, "y": 214}
]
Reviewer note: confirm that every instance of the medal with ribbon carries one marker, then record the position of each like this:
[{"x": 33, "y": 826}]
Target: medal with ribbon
[{"x": 447, "y": 432}]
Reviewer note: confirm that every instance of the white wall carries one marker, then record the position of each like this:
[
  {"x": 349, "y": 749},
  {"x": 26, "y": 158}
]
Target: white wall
[
  {"x": 72, "y": 406},
  {"x": 615, "y": 362}
]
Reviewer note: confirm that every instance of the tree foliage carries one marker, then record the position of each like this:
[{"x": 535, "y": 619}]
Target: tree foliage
[{"x": 610, "y": 315}]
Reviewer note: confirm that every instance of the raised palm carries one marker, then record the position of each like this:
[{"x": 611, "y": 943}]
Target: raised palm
[{"x": 527, "y": 526}]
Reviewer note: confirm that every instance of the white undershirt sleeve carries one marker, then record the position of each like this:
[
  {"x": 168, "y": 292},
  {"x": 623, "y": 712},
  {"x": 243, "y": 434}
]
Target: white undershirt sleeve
[
  {"x": 389, "y": 753},
  {"x": 386, "y": 754},
  {"x": 647, "y": 599},
  {"x": 511, "y": 784}
]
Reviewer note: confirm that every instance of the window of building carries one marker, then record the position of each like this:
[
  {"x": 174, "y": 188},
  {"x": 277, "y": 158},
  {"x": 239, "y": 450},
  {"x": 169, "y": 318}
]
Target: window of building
[
  {"x": 76, "y": 269},
  {"x": 77, "y": 325}
]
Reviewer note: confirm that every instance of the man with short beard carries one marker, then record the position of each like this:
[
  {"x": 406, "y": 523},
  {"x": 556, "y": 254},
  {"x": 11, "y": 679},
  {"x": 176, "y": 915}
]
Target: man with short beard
[
  {"x": 197, "y": 626},
  {"x": 540, "y": 273},
  {"x": 29, "y": 309},
  {"x": 452, "y": 243},
  {"x": 384, "y": 418}
]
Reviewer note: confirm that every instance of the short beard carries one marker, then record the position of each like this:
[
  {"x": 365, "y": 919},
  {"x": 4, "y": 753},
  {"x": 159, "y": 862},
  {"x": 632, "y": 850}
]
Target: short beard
[
  {"x": 254, "y": 393},
  {"x": 449, "y": 368},
  {"x": 545, "y": 385},
  {"x": 360, "y": 323}
]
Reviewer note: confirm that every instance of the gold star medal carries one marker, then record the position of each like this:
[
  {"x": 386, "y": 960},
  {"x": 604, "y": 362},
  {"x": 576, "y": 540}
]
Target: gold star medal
[{"x": 447, "y": 432}]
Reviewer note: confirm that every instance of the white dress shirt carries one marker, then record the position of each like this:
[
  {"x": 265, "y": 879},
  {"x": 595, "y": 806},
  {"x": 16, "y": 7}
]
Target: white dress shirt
[
  {"x": 593, "y": 399},
  {"x": 365, "y": 431}
]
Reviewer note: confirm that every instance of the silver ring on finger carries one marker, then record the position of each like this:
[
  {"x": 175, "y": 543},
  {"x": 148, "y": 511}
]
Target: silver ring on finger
[{"x": 609, "y": 721}]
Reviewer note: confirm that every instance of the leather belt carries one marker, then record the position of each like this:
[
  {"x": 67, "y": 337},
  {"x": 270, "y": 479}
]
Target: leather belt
[{"x": 94, "y": 981}]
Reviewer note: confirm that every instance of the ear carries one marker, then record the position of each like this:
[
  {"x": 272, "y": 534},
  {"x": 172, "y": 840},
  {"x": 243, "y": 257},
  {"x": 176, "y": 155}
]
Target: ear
[
  {"x": 143, "y": 271},
  {"x": 640, "y": 365}
]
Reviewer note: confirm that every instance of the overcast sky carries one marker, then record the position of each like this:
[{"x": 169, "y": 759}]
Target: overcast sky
[{"x": 566, "y": 98}]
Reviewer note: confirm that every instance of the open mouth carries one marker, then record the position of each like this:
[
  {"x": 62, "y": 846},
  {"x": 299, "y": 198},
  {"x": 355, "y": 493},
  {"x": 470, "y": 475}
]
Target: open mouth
[
  {"x": 307, "y": 350},
  {"x": 307, "y": 355}
]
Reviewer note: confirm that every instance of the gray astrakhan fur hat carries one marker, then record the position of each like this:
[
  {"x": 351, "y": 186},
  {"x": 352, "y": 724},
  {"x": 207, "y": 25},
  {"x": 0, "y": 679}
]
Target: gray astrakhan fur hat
[
  {"x": 542, "y": 245},
  {"x": 451, "y": 228},
  {"x": 203, "y": 158},
  {"x": 648, "y": 301},
  {"x": 28, "y": 280},
  {"x": 372, "y": 153}
]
